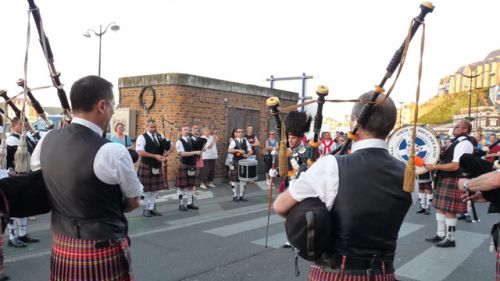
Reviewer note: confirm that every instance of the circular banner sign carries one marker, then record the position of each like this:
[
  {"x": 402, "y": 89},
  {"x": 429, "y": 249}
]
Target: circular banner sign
[{"x": 427, "y": 145}]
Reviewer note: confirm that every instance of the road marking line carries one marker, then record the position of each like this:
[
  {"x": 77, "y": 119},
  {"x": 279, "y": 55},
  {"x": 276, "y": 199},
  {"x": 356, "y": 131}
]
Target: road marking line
[
  {"x": 437, "y": 263},
  {"x": 408, "y": 228},
  {"x": 244, "y": 226},
  {"x": 273, "y": 241}
]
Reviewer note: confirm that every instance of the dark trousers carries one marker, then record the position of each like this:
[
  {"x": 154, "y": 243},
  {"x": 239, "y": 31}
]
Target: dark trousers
[{"x": 207, "y": 173}]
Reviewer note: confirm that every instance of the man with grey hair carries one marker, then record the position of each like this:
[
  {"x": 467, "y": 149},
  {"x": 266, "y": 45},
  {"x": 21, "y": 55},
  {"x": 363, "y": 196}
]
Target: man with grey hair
[{"x": 363, "y": 193}]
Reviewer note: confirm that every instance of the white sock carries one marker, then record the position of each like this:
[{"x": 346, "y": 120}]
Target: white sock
[
  {"x": 242, "y": 188},
  {"x": 451, "y": 226},
  {"x": 421, "y": 198},
  {"x": 236, "y": 189},
  {"x": 22, "y": 226},
  {"x": 441, "y": 224},
  {"x": 429, "y": 200},
  {"x": 469, "y": 208},
  {"x": 152, "y": 200}
]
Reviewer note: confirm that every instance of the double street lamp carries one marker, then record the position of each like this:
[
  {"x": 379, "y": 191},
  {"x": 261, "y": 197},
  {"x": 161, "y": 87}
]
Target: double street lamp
[
  {"x": 470, "y": 88},
  {"x": 99, "y": 34}
]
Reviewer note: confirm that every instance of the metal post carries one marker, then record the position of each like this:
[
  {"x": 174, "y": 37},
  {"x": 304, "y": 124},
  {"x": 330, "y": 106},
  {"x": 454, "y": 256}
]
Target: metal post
[
  {"x": 303, "y": 95},
  {"x": 100, "y": 42}
]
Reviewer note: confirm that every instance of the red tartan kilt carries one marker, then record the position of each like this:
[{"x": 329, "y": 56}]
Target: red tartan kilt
[
  {"x": 233, "y": 174},
  {"x": 183, "y": 180},
  {"x": 447, "y": 196},
  {"x": 317, "y": 274},
  {"x": 423, "y": 186},
  {"x": 76, "y": 259},
  {"x": 149, "y": 181},
  {"x": 164, "y": 173},
  {"x": 498, "y": 265}
]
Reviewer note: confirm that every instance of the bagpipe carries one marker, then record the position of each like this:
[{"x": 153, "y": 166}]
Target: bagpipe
[
  {"x": 308, "y": 223},
  {"x": 25, "y": 194}
]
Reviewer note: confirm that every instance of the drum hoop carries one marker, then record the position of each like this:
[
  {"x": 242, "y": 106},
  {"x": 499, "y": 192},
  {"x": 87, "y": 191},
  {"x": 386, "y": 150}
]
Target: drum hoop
[{"x": 424, "y": 127}]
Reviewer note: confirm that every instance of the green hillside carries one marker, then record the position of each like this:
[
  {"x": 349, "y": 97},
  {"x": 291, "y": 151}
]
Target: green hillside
[{"x": 440, "y": 109}]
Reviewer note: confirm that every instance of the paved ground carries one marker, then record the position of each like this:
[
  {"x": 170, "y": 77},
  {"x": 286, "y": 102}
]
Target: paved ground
[{"x": 225, "y": 241}]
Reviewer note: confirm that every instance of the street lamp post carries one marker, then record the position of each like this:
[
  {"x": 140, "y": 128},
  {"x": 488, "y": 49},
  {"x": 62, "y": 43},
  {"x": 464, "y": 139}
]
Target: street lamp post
[
  {"x": 470, "y": 89},
  {"x": 99, "y": 34},
  {"x": 400, "y": 113}
]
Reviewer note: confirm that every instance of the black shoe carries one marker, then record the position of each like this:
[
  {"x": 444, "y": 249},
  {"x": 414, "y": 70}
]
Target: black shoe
[
  {"x": 428, "y": 211},
  {"x": 182, "y": 208},
  {"x": 27, "y": 239},
  {"x": 468, "y": 218},
  {"x": 147, "y": 213},
  {"x": 461, "y": 217},
  {"x": 154, "y": 213},
  {"x": 421, "y": 211},
  {"x": 286, "y": 245},
  {"x": 192, "y": 207},
  {"x": 435, "y": 239},
  {"x": 16, "y": 243},
  {"x": 242, "y": 199},
  {"x": 235, "y": 199},
  {"x": 4, "y": 277},
  {"x": 446, "y": 243}
]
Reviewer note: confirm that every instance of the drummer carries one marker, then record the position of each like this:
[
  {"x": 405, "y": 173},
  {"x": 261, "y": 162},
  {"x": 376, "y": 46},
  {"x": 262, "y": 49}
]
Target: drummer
[{"x": 240, "y": 148}]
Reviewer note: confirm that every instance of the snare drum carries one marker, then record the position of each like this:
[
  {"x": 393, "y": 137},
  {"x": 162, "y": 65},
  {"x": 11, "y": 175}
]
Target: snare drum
[{"x": 247, "y": 170}]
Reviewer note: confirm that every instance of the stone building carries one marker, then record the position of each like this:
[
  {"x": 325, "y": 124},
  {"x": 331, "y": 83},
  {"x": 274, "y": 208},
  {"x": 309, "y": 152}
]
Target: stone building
[{"x": 178, "y": 100}]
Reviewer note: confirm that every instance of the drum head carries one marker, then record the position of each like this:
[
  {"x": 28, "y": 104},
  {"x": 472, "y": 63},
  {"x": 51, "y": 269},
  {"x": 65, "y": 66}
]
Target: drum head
[{"x": 427, "y": 145}]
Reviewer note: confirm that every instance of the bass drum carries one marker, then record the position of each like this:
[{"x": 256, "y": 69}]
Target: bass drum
[{"x": 427, "y": 146}]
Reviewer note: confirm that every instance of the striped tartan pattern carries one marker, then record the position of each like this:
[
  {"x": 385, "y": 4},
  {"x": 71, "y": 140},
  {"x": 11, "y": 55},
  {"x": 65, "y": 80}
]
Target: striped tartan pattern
[
  {"x": 447, "y": 196},
  {"x": 233, "y": 174},
  {"x": 78, "y": 260},
  {"x": 182, "y": 180},
  {"x": 317, "y": 274},
  {"x": 498, "y": 266},
  {"x": 149, "y": 181}
]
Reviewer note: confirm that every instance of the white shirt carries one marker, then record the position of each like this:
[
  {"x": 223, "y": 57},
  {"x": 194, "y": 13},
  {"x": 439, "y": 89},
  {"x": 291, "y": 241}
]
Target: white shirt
[
  {"x": 322, "y": 179},
  {"x": 140, "y": 143},
  {"x": 210, "y": 153},
  {"x": 12, "y": 141},
  {"x": 112, "y": 163},
  {"x": 462, "y": 148}
]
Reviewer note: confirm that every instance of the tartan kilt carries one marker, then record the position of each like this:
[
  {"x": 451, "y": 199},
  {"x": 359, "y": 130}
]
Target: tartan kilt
[
  {"x": 317, "y": 274},
  {"x": 423, "y": 186},
  {"x": 233, "y": 174},
  {"x": 149, "y": 181},
  {"x": 498, "y": 266},
  {"x": 183, "y": 180},
  {"x": 447, "y": 196},
  {"x": 76, "y": 259}
]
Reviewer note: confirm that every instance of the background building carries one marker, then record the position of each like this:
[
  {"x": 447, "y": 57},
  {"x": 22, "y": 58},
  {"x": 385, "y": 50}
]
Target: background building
[{"x": 178, "y": 100}]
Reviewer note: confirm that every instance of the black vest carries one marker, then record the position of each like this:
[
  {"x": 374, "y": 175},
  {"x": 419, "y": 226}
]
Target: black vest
[
  {"x": 370, "y": 205},
  {"x": 152, "y": 148},
  {"x": 240, "y": 145},
  {"x": 447, "y": 158},
  {"x": 187, "y": 160},
  {"x": 83, "y": 206}
]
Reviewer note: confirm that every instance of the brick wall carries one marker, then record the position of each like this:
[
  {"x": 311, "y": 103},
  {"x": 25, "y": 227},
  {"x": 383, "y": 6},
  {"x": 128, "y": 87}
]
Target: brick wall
[{"x": 186, "y": 100}]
